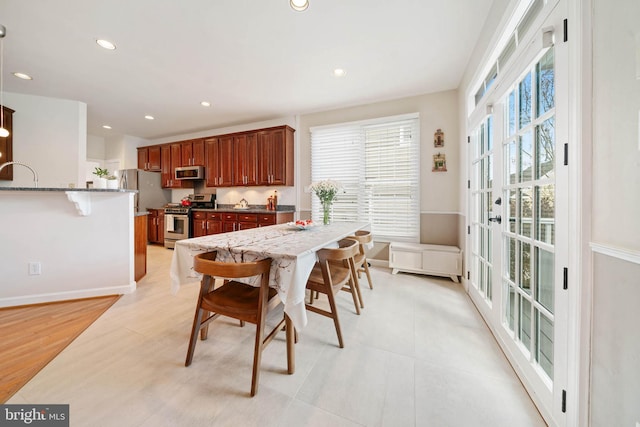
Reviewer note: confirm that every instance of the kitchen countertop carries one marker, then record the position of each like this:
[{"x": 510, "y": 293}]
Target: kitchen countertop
[
  {"x": 88, "y": 190},
  {"x": 252, "y": 209}
]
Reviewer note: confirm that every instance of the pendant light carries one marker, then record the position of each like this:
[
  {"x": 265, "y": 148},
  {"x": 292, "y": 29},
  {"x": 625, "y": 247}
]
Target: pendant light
[
  {"x": 299, "y": 5},
  {"x": 3, "y": 132}
]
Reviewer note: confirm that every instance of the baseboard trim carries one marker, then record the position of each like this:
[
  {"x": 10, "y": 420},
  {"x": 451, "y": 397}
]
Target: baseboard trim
[{"x": 66, "y": 296}]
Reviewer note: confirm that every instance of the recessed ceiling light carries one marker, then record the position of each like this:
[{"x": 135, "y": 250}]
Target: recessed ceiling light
[
  {"x": 339, "y": 72},
  {"x": 106, "y": 126},
  {"x": 149, "y": 117},
  {"x": 106, "y": 44},
  {"x": 205, "y": 104},
  {"x": 23, "y": 76},
  {"x": 299, "y": 5}
]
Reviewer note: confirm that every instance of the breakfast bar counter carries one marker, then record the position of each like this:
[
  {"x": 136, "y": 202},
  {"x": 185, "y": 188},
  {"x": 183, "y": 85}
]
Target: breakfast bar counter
[{"x": 65, "y": 243}]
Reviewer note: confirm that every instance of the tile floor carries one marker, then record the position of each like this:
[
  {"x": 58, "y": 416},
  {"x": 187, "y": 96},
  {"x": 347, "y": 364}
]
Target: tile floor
[{"x": 419, "y": 355}]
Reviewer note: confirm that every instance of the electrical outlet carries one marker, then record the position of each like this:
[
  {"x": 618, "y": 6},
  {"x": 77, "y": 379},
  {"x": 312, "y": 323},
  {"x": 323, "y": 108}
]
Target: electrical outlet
[{"x": 35, "y": 268}]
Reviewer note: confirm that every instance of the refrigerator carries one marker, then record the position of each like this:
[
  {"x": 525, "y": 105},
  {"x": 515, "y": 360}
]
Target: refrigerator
[{"x": 150, "y": 194}]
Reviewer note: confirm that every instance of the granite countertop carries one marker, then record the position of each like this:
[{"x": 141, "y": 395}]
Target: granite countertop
[
  {"x": 88, "y": 190},
  {"x": 251, "y": 209}
]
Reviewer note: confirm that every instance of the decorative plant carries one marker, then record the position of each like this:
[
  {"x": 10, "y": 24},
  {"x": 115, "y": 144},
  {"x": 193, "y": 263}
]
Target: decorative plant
[
  {"x": 327, "y": 192},
  {"x": 101, "y": 173}
]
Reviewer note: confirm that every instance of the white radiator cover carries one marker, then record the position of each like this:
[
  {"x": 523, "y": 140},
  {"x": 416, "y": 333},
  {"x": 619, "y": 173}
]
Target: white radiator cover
[{"x": 436, "y": 260}]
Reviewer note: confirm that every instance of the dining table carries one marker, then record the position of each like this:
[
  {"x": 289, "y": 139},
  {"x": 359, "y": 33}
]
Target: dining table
[{"x": 292, "y": 249}]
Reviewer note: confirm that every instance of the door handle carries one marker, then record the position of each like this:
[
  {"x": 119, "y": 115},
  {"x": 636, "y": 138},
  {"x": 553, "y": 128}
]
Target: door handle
[{"x": 497, "y": 219}]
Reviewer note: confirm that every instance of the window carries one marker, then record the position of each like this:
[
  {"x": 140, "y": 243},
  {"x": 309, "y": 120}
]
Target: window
[{"x": 377, "y": 163}]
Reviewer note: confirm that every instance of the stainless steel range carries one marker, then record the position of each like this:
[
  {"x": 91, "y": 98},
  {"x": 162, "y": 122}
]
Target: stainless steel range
[{"x": 176, "y": 220}]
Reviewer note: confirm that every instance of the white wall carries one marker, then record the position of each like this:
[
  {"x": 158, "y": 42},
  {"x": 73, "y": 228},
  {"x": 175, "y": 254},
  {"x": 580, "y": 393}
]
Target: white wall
[
  {"x": 80, "y": 256},
  {"x": 615, "y": 210},
  {"x": 95, "y": 147},
  {"x": 616, "y": 112},
  {"x": 50, "y": 135},
  {"x": 124, "y": 149}
]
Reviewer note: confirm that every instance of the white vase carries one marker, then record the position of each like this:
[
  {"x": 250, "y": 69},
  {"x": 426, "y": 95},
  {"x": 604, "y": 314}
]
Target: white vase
[
  {"x": 99, "y": 183},
  {"x": 112, "y": 184}
]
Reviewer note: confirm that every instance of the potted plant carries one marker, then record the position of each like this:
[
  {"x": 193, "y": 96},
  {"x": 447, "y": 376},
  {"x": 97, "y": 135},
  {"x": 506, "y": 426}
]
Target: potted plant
[
  {"x": 101, "y": 180},
  {"x": 112, "y": 182}
]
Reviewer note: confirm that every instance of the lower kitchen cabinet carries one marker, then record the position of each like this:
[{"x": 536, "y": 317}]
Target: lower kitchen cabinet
[
  {"x": 155, "y": 222},
  {"x": 207, "y": 222},
  {"x": 140, "y": 247}
]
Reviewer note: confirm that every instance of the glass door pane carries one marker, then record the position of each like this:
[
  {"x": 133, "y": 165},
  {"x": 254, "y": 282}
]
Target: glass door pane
[
  {"x": 528, "y": 276},
  {"x": 482, "y": 209}
]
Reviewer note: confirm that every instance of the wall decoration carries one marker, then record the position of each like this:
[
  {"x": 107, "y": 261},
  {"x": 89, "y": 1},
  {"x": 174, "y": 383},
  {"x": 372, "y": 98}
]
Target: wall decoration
[
  {"x": 438, "y": 138},
  {"x": 439, "y": 163}
]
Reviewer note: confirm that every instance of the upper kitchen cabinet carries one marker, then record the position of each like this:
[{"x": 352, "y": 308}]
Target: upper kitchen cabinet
[
  {"x": 218, "y": 162},
  {"x": 245, "y": 159},
  {"x": 149, "y": 158},
  {"x": 275, "y": 156},
  {"x": 6, "y": 145},
  {"x": 171, "y": 159},
  {"x": 193, "y": 152}
]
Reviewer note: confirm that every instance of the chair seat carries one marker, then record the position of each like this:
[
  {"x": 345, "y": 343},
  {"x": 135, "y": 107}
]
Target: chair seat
[
  {"x": 339, "y": 275},
  {"x": 359, "y": 259},
  {"x": 237, "y": 299}
]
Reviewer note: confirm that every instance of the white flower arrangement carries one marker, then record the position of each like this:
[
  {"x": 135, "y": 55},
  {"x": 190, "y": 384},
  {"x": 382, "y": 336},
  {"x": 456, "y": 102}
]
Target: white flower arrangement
[{"x": 326, "y": 190}]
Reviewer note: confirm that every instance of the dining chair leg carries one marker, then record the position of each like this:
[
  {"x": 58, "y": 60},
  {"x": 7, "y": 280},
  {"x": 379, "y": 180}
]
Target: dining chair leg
[
  {"x": 351, "y": 289},
  {"x": 204, "y": 330},
  {"x": 257, "y": 358},
  {"x": 356, "y": 285},
  {"x": 334, "y": 316},
  {"x": 194, "y": 336},
  {"x": 366, "y": 270}
]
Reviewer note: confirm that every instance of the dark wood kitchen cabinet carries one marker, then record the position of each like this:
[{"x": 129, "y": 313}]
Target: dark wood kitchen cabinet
[
  {"x": 193, "y": 153},
  {"x": 155, "y": 221},
  {"x": 275, "y": 156},
  {"x": 140, "y": 246},
  {"x": 6, "y": 145},
  {"x": 205, "y": 223},
  {"x": 149, "y": 158},
  {"x": 245, "y": 159},
  {"x": 171, "y": 159},
  {"x": 219, "y": 162}
]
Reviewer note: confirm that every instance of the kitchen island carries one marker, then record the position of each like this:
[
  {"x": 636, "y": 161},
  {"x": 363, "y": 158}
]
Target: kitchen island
[{"x": 65, "y": 243}]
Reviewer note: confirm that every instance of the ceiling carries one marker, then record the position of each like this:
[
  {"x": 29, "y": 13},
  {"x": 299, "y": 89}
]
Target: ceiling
[{"x": 253, "y": 60}]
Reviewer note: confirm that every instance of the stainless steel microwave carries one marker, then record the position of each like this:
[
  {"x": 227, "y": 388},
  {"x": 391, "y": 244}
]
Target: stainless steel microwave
[{"x": 190, "y": 172}]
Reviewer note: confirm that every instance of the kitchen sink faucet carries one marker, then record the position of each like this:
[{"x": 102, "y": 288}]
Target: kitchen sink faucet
[{"x": 35, "y": 174}]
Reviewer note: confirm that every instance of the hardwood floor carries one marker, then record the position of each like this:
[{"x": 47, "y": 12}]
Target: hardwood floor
[{"x": 33, "y": 335}]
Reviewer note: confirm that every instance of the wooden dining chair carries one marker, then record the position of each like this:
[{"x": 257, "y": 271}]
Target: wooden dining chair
[
  {"x": 239, "y": 301},
  {"x": 362, "y": 265},
  {"x": 334, "y": 271}
]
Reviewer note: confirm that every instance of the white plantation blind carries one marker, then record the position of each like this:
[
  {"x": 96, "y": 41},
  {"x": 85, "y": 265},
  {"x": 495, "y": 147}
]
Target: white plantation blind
[{"x": 377, "y": 163}]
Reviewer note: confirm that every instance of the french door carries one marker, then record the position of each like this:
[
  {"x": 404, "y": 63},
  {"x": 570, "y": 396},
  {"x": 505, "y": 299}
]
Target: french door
[{"x": 518, "y": 223}]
